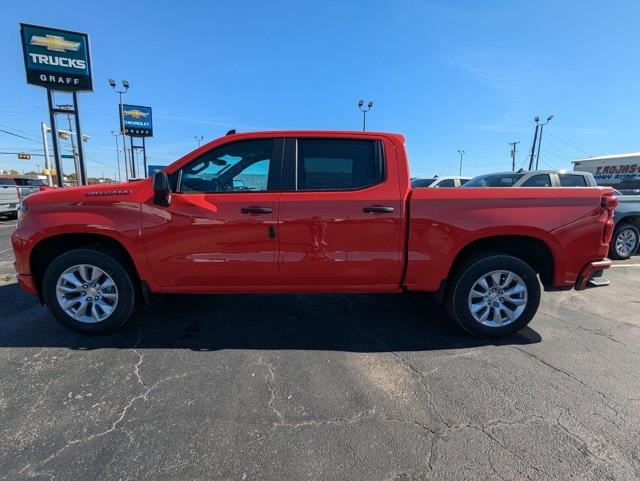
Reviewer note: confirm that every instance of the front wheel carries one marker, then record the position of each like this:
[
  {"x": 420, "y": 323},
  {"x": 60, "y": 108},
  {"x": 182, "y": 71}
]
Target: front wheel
[
  {"x": 89, "y": 291},
  {"x": 494, "y": 296}
]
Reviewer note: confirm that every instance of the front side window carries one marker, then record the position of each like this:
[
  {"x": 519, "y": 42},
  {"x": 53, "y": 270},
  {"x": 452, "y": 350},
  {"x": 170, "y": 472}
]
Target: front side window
[
  {"x": 328, "y": 164},
  {"x": 572, "y": 180},
  {"x": 541, "y": 180},
  {"x": 237, "y": 167}
]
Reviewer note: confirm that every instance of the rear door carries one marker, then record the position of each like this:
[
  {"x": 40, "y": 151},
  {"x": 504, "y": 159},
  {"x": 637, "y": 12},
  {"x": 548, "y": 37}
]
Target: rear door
[{"x": 340, "y": 215}]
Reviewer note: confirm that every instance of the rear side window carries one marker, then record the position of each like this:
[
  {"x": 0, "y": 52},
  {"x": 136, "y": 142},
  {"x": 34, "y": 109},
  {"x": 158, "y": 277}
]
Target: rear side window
[
  {"x": 572, "y": 180},
  {"x": 328, "y": 164},
  {"x": 541, "y": 180},
  {"x": 6, "y": 182}
]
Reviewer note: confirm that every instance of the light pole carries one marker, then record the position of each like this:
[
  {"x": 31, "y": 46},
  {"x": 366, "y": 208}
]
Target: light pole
[
  {"x": 118, "y": 155},
  {"x": 513, "y": 154},
  {"x": 364, "y": 111},
  {"x": 461, "y": 152},
  {"x": 540, "y": 139},
  {"x": 199, "y": 139},
  {"x": 47, "y": 165},
  {"x": 535, "y": 140},
  {"x": 121, "y": 92}
]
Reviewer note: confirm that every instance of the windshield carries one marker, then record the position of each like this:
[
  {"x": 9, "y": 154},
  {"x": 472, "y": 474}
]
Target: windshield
[
  {"x": 494, "y": 180},
  {"x": 422, "y": 182}
]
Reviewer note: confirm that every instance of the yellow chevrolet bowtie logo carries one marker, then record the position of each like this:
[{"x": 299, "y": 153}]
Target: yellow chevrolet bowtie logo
[
  {"x": 136, "y": 114},
  {"x": 55, "y": 43}
]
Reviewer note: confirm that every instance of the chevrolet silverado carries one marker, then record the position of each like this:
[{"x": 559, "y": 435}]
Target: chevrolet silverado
[{"x": 308, "y": 212}]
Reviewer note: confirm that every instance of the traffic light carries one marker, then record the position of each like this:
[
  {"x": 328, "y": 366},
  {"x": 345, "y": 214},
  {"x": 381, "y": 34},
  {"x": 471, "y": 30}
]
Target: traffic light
[{"x": 24, "y": 156}]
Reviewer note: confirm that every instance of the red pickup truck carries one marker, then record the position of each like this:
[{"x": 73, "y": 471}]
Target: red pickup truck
[{"x": 308, "y": 211}]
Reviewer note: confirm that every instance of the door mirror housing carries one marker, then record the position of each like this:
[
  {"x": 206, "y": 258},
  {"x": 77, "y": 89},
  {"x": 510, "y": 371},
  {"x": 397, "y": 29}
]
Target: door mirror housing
[{"x": 161, "y": 189}]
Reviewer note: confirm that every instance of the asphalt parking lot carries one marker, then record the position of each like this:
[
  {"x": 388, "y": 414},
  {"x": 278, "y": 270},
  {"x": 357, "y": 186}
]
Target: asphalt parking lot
[{"x": 334, "y": 387}]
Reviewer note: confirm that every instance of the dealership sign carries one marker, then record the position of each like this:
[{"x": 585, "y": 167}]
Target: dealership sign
[
  {"x": 56, "y": 59},
  {"x": 137, "y": 120}
]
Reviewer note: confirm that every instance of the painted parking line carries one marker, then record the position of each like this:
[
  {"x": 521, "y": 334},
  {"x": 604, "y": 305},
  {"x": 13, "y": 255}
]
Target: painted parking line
[
  {"x": 625, "y": 265},
  {"x": 7, "y": 225}
]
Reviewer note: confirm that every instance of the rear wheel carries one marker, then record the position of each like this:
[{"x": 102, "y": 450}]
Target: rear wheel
[
  {"x": 494, "y": 296},
  {"x": 89, "y": 291},
  {"x": 624, "y": 241}
]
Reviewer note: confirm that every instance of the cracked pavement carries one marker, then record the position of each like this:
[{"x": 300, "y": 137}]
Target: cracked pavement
[{"x": 362, "y": 387}]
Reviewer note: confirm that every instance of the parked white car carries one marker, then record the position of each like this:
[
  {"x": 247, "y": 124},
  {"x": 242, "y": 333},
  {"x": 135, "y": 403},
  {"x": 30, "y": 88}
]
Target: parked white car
[
  {"x": 9, "y": 198},
  {"x": 440, "y": 182}
]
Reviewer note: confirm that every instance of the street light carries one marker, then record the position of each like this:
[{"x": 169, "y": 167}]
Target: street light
[
  {"x": 461, "y": 152},
  {"x": 115, "y": 134},
  {"x": 364, "y": 111},
  {"x": 199, "y": 139},
  {"x": 540, "y": 139},
  {"x": 121, "y": 92}
]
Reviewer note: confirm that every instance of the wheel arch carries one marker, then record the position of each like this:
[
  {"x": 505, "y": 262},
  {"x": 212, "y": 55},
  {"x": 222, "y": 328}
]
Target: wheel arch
[
  {"x": 531, "y": 250},
  {"x": 46, "y": 250}
]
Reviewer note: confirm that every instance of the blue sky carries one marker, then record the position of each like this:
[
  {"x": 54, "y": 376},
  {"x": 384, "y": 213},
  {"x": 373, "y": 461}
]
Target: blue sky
[{"x": 448, "y": 74}]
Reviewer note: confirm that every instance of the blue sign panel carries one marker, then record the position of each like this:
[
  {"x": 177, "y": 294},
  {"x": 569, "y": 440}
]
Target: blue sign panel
[
  {"x": 137, "y": 120},
  {"x": 55, "y": 58}
]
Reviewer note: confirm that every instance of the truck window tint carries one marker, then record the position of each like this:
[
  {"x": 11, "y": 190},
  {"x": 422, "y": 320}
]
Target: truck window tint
[
  {"x": 238, "y": 167},
  {"x": 326, "y": 164},
  {"x": 446, "y": 183},
  {"x": 6, "y": 182},
  {"x": 572, "y": 180},
  {"x": 540, "y": 180}
]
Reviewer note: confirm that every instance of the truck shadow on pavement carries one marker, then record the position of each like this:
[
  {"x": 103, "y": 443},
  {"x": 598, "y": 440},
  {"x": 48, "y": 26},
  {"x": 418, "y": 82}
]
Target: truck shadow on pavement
[{"x": 357, "y": 323}]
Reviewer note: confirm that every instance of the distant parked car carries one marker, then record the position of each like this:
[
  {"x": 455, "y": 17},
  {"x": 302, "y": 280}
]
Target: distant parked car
[
  {"x": 626, "y": 235},
  {"x": 440, "y": 182},
  {"x": 534, "y": 178},
  {"x": 9, "y": 198},
  {"x": 27, "y": 185}
]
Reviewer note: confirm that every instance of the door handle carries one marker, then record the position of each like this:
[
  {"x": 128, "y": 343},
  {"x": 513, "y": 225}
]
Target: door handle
[
  {"x": 374, "y": 209},
  {"x": 256, "y": 210}
]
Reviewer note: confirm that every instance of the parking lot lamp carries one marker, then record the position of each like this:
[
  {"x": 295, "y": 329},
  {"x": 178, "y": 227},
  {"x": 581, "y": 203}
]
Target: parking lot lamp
[{"x": 364, "y": 111}]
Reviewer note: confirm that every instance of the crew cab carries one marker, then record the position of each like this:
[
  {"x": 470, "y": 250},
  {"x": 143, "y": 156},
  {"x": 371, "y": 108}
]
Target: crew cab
[
  {"x": 534, "y": 178},
  {"x": 308, "y": 212}
]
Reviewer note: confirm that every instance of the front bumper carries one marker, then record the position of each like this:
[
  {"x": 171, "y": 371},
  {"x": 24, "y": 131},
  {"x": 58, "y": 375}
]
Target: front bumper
[{"x": 591, "y": 274}]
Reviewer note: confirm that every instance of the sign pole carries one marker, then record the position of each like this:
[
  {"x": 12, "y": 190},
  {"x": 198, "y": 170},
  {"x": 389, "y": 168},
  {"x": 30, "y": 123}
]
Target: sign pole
[
  {"x": 76, "y": 116},
  {"x": 144, "y": 156},
  {"x": 133, "y": 159},
  {"x": 47, "y": 163},
  {"x": 54, "y": 140}
]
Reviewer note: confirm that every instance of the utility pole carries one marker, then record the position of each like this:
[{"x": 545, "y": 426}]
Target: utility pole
[
  {"x": 513, "y": 155},
  {"x": 461, "y": 152},
  {"x": 364, "y": 111},
  {"x": 47, "y": 164},
  {"x": 535, "y": 140},
  {"x": 540, "y": 138}
]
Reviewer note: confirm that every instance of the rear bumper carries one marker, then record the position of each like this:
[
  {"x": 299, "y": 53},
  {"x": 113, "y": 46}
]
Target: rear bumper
[{"x": 591, "y": 274}]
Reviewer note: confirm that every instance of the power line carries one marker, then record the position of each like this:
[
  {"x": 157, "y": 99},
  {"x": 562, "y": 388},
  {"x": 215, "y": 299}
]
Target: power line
[{"x": 570, "y": 145}]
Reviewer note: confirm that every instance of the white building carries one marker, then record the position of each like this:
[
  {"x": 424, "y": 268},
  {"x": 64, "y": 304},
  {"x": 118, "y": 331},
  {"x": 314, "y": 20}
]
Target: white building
[{"x": 621, "y": 171}]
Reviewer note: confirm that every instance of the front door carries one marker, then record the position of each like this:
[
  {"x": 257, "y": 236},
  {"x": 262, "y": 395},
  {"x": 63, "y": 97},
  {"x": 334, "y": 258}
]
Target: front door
[{"x": 219, "y": 234}]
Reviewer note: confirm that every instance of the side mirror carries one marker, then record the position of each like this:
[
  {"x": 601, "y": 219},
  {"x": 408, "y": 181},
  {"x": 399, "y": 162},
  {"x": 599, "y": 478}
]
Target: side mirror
[{"x": 161, "y": 189}]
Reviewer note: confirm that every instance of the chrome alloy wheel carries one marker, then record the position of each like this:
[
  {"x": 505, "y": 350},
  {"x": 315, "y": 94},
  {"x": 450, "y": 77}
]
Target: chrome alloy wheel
[
  {"x": 498, "y": 298},
  {"x": 626, "y": 242},
  {"x": 87, "y": 293}
]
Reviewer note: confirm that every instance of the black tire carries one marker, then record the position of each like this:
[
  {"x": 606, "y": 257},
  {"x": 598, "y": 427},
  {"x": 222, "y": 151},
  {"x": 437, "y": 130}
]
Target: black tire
[
  {"x": 621, "y": 229},
  {"x": 111, "y": 265},
  {"x": 12, "y": 215},
  {"x": 470, "y": 273}
]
